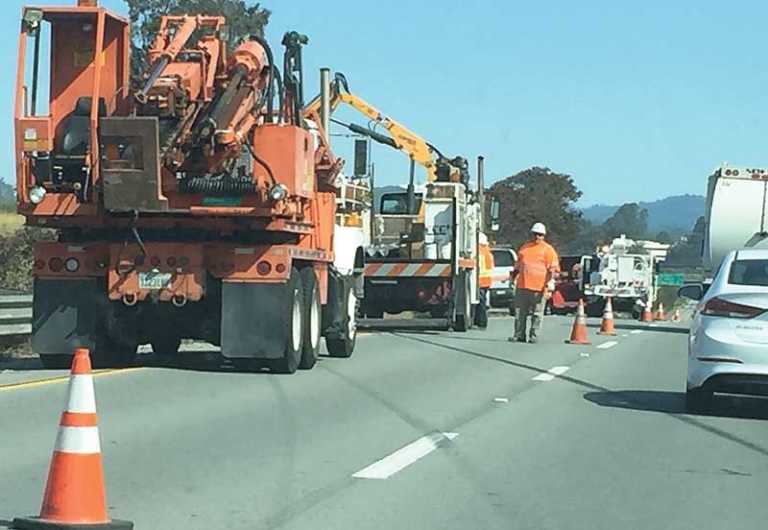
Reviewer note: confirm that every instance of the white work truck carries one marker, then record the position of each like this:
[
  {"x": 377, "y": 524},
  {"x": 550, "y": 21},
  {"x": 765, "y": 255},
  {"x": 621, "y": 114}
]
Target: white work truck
[{"x": 614, "y": 272}]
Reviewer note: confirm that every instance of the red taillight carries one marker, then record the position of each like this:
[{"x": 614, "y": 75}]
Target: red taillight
[
  {"x": 56, "y": 264},
  {"x": 39, "y": 264},
  {"x": 280, "y": 268},
  {"x": 717, "y": 307},
  {"x": 263, "y": 267},
  {"x": 171, "y": 262}
]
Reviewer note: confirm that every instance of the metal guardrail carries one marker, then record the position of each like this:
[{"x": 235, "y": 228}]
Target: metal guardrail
[{"x": 15, "y": 315}]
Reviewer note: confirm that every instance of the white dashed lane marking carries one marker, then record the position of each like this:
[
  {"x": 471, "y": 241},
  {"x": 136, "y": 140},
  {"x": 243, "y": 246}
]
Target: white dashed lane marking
[
  {"x": 405, "y": 456},
  {"x": 606, "y": 345},
  {"x": 553, "y": 372}
]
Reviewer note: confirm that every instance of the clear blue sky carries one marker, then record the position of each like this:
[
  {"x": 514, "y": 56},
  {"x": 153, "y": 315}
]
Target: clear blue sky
[{"x": 635, "y": 101}]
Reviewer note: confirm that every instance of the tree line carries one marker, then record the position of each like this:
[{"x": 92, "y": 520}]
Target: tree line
[{"x": 539, "y": 194}]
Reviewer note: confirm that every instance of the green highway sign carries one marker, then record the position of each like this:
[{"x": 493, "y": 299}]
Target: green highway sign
[{"x": 671, "y": 278}]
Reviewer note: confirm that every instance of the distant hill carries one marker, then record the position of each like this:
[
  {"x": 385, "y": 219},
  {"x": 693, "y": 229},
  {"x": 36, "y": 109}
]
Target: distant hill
[{"x": 678, "y": 212}]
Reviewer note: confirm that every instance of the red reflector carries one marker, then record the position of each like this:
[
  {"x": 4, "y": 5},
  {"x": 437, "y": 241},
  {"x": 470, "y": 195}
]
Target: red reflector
[
  {"x": 55, "y": 264},
  {"x": 280, "y": 268},
  {"x": 171, "y": 262},
  {"x": 718, "y": 307},
  {"x": 263, "y": 267},
  {"x": 39, "y": 264}
]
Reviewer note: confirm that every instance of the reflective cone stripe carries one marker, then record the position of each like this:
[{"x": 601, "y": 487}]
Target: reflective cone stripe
[
  {"x": 579, "y": 330},
  {"x": 74, "y": 493},
  {"x": 660, "y": 312},
  {"x": 676, "y": 316},
  {"x": 607, "y": 326}
]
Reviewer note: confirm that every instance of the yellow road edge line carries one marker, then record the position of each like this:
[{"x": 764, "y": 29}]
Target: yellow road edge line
[{"x": 62, "y": 378}]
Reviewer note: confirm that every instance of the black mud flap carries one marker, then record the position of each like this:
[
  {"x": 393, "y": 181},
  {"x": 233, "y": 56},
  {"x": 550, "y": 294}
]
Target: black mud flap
[
  {"x": 66, "y": 315},
  {"x": 334, "y": 311},
  {"x": 252, "y": 320}
]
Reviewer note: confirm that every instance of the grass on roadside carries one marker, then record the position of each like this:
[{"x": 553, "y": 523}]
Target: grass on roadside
[{"x": 10, "y": 222}]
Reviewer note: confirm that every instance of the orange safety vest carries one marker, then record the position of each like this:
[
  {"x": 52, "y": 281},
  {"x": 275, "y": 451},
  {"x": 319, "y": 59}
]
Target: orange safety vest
[
  {"x": 486, "y": 267},
  {"x": 535, "y": 262}
]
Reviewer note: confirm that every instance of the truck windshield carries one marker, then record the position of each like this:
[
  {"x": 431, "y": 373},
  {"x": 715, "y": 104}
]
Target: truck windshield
[
  {"x": 749, "y": 272},
  {"x": 502, "y": 258},
  {"x": 397, "y": 204}
]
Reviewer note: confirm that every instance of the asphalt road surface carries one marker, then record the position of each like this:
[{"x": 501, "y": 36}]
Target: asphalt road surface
[{"x": 419, "y": 430}]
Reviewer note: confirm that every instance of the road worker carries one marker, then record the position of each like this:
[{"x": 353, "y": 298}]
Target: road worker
[
  {"x": 485, "y": 280},
  {"x": 534, "y": 273}
]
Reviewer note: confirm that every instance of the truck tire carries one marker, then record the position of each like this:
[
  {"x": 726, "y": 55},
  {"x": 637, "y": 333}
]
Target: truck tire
[
  {"x": 56, "y": 362},
  {"x": 312, "y": 319},
  {"x": 166, "y": 345},
  {"x": 294, "y": 330},
  {"x": 344, "y": 345},
  {"x": 463, "y": 313}
]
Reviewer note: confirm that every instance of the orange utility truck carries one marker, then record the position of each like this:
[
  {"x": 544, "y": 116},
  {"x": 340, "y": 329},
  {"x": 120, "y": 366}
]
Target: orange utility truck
[{"x": 201, "y": 205}]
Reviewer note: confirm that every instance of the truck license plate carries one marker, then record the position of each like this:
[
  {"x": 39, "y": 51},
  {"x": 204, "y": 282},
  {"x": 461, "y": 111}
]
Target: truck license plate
[{"x": 156, "y": 280}]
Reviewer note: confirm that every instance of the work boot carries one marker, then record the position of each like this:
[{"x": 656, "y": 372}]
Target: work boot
[
  {"x": 516, "y": 339},
  {"x": 533, "y": 339}
]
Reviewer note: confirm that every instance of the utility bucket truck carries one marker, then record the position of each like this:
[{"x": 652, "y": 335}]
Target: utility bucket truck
[
  {"x": 203, "y": 205},
  {"x": 619, "y": 273},
  {"x": 423, "y": 251}
]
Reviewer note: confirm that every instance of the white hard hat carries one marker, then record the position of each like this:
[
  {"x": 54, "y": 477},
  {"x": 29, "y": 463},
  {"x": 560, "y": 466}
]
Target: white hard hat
[
  {"x": 539, "y": 228},
  {"x": 482, "y": 239}
]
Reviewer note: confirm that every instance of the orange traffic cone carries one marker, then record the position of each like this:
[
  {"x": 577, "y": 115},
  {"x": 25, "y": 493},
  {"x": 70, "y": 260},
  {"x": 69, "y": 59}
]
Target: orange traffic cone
[
  {"x": 660, "y": 312},
  {"x": 579, "y": 330},
  {"x": 647, "y": 314},
  {"x": 74, "y": 495},
  {"x": 676, "y": 316},
  {"x": 606, "y": 326}
]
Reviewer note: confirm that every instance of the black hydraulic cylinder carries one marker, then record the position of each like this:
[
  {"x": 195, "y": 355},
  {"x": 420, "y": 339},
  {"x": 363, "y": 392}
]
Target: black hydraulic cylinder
[
  {"x": 157, "y": 70},
  {"x": 410, "y": 190},
  {"x": 372, "y": 135}
]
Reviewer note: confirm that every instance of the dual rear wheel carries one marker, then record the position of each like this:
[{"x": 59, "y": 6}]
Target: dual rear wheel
[{"x": 305, "y": 323}]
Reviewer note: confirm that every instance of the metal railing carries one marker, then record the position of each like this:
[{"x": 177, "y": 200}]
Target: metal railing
[{"x": 15, "y": 314}]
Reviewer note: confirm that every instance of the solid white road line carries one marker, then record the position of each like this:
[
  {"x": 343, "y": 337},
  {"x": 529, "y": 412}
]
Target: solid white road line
[
  {"x": 405, "y": 456},
  {"x": 636, "y": 331},
  {"x": 606, "y": 345},
  {"x": 553, "y": 372}
]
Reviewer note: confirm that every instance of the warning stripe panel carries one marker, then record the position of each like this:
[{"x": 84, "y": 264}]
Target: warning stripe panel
[{"x": 407, "y": 270}]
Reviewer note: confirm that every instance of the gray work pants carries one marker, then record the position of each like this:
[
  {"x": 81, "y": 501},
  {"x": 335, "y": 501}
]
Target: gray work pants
[{"x": 527, "y": 303}]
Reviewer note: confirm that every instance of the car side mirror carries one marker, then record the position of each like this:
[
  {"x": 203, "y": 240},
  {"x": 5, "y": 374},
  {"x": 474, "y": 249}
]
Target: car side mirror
[{"x": 692, "y": 292}]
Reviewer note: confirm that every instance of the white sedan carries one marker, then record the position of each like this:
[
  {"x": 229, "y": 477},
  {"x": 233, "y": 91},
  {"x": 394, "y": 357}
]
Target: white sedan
[{"x": 728, "y": 338}]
